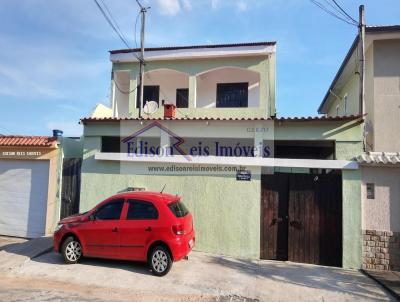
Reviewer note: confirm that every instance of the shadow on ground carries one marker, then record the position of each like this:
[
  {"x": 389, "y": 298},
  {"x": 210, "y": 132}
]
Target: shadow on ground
[
  {"x": 28, "y": 248},
  {"x": 318, "y": 277},
  {"x": 130, "y": 266}
]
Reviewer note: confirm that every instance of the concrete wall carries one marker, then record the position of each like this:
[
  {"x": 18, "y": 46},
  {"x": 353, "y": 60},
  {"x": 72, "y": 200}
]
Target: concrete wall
[
  {"x": 383, "y": 212},
  {"x": 382, "y": 96},
  {"x": 207, "y": 85},
  {"x": 169, "y": 81},
  {"x": 226, "y": 212},
  {"x": 350, "y": 90},
  {"x": 386, "y": 95},
  {"x": 219, "y": 202},
  {"x": 263, "y": 65},
  {"x": 120, "y": 93}
]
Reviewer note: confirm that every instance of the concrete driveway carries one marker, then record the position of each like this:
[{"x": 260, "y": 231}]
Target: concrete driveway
[{"x": 204, "y": 277}]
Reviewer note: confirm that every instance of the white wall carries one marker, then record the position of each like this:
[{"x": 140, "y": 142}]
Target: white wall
[
  {"x": 383, "y": 212},
  {"x": 207, "y": 85},
  {"x": 169, "y": 81},
  {"x": 121, "y": 100}
]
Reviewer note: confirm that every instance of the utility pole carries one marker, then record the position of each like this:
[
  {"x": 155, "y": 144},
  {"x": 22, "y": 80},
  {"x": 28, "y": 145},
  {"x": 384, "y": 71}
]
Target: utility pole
[
  {"x": 143, "y": 11},
  {"x": 361, "y": 36}
]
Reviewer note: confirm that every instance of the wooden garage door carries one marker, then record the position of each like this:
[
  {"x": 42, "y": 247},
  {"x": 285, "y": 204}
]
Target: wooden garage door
[
  {"x": 23, "y": 197},
  {"x": 301, "y": 218}
]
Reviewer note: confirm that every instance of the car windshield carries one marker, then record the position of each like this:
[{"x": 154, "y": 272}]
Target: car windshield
[{"x": 179, "y": 209}]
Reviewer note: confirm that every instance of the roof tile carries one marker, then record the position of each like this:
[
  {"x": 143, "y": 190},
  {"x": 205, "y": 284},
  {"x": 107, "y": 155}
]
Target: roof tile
[
  {"x": 36, "y": 141},
  {"x": 379, "y": 158},
  {"x": 280, "y": 119}
]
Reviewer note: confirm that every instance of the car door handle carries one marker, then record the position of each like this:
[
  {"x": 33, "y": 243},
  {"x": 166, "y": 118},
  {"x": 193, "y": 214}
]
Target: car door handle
[
  {"x": 148, "y": 229},
  {"x": 114, "y": 230}
]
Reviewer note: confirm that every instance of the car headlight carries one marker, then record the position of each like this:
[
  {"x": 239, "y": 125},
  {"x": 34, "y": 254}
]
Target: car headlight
[{"x": 58, "y": 227}]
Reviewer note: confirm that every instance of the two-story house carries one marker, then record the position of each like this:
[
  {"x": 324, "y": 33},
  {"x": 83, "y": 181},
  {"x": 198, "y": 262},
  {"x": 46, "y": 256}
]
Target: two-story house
[
  {"x": 380, "y": 164},
  {"x": 259, "y": 186}
]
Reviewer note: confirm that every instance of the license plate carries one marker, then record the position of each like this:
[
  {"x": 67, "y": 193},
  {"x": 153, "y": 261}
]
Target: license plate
[{"x": 191, "y": 243}]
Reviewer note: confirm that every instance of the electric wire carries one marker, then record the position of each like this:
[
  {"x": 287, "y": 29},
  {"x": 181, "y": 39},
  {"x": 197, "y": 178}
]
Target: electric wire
[
  {"x": 115, "y": 27},
  {"x": 344, "y": 12},
  {"x": 324, "y": 8}
]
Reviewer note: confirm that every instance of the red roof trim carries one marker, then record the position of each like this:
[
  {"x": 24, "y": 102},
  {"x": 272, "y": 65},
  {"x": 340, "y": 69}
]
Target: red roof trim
[
  {"x": 193, "y": 47},
  {"x": 281, "y": 119},
  {"x": 33, "y": 141}
]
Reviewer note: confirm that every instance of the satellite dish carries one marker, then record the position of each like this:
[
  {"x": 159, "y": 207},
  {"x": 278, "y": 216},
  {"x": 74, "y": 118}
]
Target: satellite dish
[{"x": 150, "y": 107}]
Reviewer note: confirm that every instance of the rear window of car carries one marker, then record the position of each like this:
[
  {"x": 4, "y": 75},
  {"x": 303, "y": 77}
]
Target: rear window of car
[{"x": 179, "y": 209}]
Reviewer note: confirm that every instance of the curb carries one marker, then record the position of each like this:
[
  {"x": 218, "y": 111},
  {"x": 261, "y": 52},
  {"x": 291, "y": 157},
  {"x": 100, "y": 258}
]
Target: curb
[{"x": 382, "y": 284}]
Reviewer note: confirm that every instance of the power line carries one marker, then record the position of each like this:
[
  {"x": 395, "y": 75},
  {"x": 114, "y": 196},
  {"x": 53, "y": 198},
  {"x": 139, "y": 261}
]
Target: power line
[
  {"x": 122, "y": 91},
  {"x": 321, "y": 6},
  {"x": 109, "y": 18},
  {"x": 111, "y": 23},
  {"x": 113, "y": 19},
  {"x": 344, "y": 12}
]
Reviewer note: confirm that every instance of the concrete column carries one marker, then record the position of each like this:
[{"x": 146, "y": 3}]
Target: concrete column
[
  {"x": 133, "y": 111},
  {"x": 164, "y": 142},
  {"x": 352, "y": 234},
  {"x": 192, "y": 91},
  {"x": 112, "y": 98},
  {"x": 258, "y": 140}
]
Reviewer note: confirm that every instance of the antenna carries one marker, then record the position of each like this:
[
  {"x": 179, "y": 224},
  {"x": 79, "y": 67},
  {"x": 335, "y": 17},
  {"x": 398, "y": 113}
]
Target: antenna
[
  {"x": 150, "y": 107},
  {"x": 162, "y": 190}
]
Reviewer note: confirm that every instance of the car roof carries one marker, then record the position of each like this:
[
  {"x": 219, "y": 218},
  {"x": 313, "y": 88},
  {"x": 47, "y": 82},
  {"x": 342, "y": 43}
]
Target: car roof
[{"x": 156, "y": 196}]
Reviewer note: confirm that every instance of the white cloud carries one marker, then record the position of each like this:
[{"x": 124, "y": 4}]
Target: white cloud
[
  {"x": 187, "y": 5},
  {"x": 241, "y": 6},
  {"x": 69, "y": 128},
  {"x": 169, "y": 7},
  {"x": 214, "y": 4}
]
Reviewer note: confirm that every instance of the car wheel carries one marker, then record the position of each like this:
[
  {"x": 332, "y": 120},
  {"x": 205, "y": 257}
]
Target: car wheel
[
  {"x": 160, "y": 261},
  {"x": 71, "y": 250}
]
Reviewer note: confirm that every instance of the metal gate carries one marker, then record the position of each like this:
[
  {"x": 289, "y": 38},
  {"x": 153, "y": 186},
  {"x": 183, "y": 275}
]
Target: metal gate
[{"x": 71, "y": 185}]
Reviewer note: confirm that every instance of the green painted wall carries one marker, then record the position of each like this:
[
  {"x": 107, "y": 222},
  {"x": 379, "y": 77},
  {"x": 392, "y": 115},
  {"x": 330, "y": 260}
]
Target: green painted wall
[
  {"x": 352, "y": 238},
  {"x": 264, "y": 65},
  {"x": 72, "y": 148},
  {"x": 226, "y": 212},
  {"x": 352, "y": 91},
  {"x": 220, "y": 202}
]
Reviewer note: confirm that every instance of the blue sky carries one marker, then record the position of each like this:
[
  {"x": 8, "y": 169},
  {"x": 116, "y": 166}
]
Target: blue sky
[{"x": 54, "y": 64}]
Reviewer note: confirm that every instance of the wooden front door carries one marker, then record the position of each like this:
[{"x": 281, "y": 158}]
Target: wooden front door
[
  {"x": 301, "y": 218},
  {"x": 304, "y": 219},
  {"x": 274, "y": 217}
]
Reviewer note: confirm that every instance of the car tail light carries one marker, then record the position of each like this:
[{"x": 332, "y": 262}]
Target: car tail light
[{"x": 178, "y": 229}]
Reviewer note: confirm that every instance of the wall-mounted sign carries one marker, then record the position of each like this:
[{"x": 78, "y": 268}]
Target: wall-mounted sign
[
  {"x": 243, "y": 175},
  {"x": 22, "y": 153}
]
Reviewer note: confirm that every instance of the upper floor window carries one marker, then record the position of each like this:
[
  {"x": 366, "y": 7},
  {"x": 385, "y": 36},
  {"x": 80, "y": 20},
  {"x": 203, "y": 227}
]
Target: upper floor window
[
  {"x": 150, "y": 93},
  {"x": 345, "y": 104},
  {"x": 232, "y": 95},
  {"x": 182, "y": 97}
]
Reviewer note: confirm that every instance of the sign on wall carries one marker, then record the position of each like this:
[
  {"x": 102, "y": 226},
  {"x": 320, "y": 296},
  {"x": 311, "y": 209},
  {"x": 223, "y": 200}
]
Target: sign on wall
[{"x": 243, "y": 175}]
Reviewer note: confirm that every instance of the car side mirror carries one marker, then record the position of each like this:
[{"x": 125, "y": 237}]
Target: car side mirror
[{"x": 91, "y": 217}]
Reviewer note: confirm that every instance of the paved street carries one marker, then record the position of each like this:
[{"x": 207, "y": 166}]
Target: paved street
[{"x": 204, "y": 277}]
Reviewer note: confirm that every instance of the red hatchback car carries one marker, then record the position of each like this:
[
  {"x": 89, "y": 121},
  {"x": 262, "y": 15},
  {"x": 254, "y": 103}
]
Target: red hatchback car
[{"x": 139, "y": 226}]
